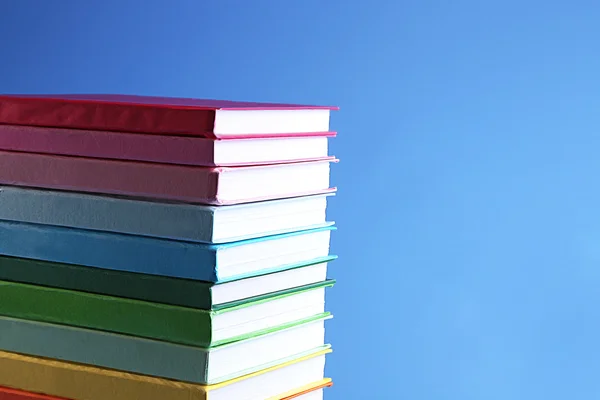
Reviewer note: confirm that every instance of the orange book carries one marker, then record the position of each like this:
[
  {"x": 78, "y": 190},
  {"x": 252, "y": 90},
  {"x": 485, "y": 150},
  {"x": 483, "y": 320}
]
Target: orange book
[{"x": 325, "y": 384}]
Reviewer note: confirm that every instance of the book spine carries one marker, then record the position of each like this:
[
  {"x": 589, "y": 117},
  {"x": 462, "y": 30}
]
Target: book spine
[
  {"x": 107, "y": 116},
  {"x": 126, "y": 178},
  {"x": 180, "y": 150}
]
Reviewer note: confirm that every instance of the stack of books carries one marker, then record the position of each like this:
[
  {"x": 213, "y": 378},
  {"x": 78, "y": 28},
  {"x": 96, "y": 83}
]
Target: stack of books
[{"x": 163, "y": 249}]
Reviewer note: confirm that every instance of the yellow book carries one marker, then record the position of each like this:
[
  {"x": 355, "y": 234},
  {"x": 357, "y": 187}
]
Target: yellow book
[{"x": 81, "y": 382}]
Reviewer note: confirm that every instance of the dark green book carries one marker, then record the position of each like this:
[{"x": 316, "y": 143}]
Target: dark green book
[{"x": 173, "y": 324}]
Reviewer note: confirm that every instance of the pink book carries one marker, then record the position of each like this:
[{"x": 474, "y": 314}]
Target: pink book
[
  {"x": 168, "y": 149},
  {"x": 203, "y": 185},
  {"x": 163, "y": 115}
]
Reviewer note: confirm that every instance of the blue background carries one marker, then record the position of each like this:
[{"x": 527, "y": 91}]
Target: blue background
[{"x": 468, "y": 216}]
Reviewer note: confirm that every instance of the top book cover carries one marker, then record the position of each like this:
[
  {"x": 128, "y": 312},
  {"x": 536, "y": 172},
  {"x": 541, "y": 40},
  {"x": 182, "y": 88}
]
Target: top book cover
[{"x": 217, "y": 119}]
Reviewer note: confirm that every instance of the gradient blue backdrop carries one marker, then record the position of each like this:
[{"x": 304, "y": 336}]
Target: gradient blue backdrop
[{"x": 468, "y": 210}]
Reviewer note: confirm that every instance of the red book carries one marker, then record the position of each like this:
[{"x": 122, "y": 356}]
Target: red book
[
  {"x": 14, "y": 394},
  {"x": 165, "y": 116}
]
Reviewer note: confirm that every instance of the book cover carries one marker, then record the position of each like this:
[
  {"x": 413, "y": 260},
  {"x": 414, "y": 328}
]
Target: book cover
[
  {"x": 129, "y": 253},
  {"x": 140, "y": 114},
  {"x": 173, "y": 324},
  {"x": 80, "y": 382}
]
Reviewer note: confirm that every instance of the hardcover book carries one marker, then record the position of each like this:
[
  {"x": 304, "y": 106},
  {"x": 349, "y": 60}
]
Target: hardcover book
[
  {"x": 81, "y": 382},
  {"x": 183, "y": 150},
  {"x": 190, "y": 222},
  {"x": 163, "y": 115},
  {"x": 172, "y": 324},
  {"x": 204, "y": 185},
  {"x": 178, "y": 259}
]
